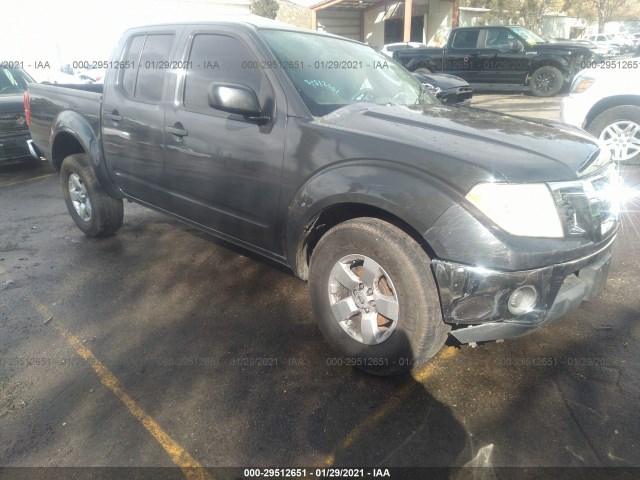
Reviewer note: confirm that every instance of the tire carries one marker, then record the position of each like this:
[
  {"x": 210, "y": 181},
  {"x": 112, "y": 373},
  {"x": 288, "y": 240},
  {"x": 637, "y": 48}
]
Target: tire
[
  {"x": 378, "y": 262},
  {"x": 546, "y": 81},
  {"x": 422, "y": 70},
  {"x": 619, "y": 129},
  {"x": 94, "y": 212}
]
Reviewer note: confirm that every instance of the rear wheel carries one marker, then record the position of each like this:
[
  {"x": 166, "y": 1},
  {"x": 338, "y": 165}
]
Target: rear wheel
[
  {"x": 94, "y": 212},
  {"x": 546, "y": 81},
  {"x": 375, "y": 298},
  {"x": 619, "y": 130}
]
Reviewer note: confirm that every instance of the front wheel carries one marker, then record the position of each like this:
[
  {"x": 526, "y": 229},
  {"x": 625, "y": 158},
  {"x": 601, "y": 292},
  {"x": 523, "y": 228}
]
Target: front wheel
[
  {"x": 94, "y": 212},
  {"x": 546, "y": 81},
  {"x": 375, "y": 298},
  {"x": 619, "y": 130}
]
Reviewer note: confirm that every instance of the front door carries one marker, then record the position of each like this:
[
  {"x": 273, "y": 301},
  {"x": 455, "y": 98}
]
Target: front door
[
  {"x": 221, "y": 170},
  {"x": 462, "y": 54}
]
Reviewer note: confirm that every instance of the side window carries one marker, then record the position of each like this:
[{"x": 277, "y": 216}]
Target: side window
[
  {"x": 132, "y": 56},
  {"x": 151, "y": 71},
  {"x": 465, "y": 39},
  {"x": 145, "y": 79},
  {"x": 500, "y": 39},
  {"x": 218, "y": 58}
]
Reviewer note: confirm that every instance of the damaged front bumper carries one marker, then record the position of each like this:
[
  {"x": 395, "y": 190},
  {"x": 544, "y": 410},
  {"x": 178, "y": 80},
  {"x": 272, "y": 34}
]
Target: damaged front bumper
[{"x": 485, "y": 305}]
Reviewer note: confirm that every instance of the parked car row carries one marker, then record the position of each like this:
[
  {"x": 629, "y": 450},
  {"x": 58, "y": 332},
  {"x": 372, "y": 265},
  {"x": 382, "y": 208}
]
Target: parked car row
[{"x": 614, "y": 44}]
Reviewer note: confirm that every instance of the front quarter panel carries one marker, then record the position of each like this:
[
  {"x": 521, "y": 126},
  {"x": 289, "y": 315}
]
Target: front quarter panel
[{"x": 408, "y": 195}]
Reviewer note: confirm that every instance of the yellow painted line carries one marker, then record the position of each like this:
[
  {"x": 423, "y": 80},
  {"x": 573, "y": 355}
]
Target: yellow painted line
[
  {"x": 191, "y": 468},
  {"x": 420, "y": 375},
  {"x": 30, "y": 180}
]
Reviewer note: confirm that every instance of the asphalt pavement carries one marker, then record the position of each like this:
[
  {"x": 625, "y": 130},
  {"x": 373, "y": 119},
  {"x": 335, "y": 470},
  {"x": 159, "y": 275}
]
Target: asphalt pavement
[{"x": 163, "y": 347}]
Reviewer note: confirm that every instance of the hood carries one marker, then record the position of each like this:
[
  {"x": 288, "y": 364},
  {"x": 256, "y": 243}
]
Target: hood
[
  {"x": 441, "y": 80},
  {"x": 563, "y": 46},
  {"x": 507, "y": 148}
]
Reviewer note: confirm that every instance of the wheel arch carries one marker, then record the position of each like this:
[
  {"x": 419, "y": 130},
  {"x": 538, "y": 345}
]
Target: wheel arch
[
  {"x": 339, "y": 213},
  {"x": 71, "y": 133},
  {"x": 610, "y": 102},
  {"x": 421, "y": 61},
  {"x": 549, "y": 60}
]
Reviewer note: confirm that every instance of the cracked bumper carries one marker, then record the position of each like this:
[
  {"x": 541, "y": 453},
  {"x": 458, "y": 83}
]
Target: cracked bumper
[{"x": 475, "y": 300}]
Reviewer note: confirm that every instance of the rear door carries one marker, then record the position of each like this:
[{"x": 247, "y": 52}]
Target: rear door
[
  {"x": 133, "y": 113},
  {"x": 462, "y": 54},
  {"x": 221, "y": 170}
]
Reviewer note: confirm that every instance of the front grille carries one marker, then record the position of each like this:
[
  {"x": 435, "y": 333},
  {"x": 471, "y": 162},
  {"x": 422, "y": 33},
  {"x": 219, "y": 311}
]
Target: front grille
[{"x": 588, "y": 207}]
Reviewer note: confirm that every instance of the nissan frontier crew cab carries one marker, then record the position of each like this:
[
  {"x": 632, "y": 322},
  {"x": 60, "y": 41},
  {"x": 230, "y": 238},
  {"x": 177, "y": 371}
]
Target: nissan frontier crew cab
[{"x": 411, "y": 220}]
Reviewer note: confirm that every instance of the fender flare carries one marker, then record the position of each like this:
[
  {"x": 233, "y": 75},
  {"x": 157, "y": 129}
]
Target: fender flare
[
  {"x": 71, "y": 124},
  {"x": 419, "y": 61}
]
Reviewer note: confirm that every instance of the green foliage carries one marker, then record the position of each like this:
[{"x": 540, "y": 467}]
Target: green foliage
[{"x": 265, "y": 8}]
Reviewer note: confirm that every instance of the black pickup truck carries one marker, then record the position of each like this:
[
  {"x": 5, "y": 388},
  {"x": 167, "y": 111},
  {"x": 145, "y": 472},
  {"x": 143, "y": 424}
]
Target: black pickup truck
[
  {"x": 505, "y": 55},
  {"x": 409, "y": 218}
]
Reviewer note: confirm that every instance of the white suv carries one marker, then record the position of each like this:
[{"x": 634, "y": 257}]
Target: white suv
[{"x": 606, "y": 103}]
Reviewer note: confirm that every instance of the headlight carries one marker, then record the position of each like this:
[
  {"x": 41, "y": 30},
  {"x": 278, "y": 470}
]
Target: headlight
[{"x": 526, "y": 210}]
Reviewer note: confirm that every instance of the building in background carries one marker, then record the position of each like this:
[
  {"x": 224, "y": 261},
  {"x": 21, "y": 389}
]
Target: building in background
[
  {"x": 557, "y": 25},
  {"x": 378, "y": 23}
]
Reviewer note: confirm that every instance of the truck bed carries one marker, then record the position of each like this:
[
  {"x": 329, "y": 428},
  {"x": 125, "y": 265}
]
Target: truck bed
[{"x": 48, "y": 101}]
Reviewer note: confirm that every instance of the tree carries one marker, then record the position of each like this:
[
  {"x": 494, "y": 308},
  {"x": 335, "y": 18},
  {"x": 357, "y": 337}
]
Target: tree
[
  {"x": 530, "y": 12},
  {"x": 607, "y": 10},
  {"x": 265, "y": 8},
  {"x": 516, "y": 12}
]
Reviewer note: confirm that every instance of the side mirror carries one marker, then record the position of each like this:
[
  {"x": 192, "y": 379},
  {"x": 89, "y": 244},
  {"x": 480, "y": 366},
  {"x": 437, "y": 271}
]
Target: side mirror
[
  {"x": 236, "y": 98},
  {"x": 517, "y": 46}
]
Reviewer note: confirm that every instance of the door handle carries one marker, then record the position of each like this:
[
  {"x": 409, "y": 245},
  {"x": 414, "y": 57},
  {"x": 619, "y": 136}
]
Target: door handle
[
  {"x": 113, "y": 116},
  {"x": 178, "y": 132}
]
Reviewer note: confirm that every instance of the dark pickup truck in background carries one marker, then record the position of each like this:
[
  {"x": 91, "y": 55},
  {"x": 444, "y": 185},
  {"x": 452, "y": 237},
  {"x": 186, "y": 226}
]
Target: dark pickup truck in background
[
  {"x": 506, "y": 55},
  {"x": 409, "y": 218}
]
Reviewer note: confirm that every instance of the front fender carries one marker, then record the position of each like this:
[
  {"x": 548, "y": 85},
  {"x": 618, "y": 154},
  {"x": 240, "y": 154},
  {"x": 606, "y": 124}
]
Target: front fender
[
  {"x": 69, "y": 124},
  {"x": 408, "y": 194}
]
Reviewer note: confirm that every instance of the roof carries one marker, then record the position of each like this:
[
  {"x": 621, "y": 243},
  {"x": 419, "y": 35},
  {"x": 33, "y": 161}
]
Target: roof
[{"x": 246, "y": 19}]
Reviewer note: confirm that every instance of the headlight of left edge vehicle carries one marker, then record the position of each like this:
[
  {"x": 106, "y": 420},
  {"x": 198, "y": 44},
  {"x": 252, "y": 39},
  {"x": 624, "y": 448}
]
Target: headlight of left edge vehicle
[{"x": 526, "y": 210}]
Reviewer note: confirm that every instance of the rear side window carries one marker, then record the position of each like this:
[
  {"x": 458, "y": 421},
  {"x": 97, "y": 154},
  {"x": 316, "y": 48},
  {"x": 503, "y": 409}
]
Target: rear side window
[
  {"x": 218, "y": 58},
  {"x": 129, "y": 75},
  {"x": 465, "y": 39},
  {"x": 150, "y": 59}
]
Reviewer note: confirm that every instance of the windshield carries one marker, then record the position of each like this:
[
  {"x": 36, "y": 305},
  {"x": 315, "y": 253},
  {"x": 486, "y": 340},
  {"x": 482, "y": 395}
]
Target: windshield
[
  {"x": 528, "y": 36},
  {"x": 330, "y": 73}
]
